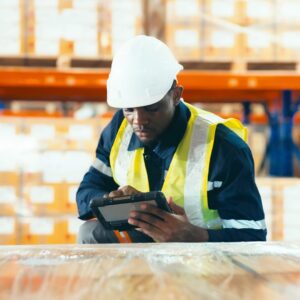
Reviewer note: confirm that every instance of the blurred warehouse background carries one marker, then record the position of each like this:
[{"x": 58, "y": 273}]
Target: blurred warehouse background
[{"x": 242, "y": 60}]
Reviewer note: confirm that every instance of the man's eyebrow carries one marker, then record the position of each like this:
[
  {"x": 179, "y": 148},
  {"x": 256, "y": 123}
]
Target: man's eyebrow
[
  {"x": 157, "y": 104},
  {"x": 154, "y": 104}
]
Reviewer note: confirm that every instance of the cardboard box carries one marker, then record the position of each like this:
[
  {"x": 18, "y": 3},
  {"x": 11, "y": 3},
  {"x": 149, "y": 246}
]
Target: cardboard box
[
  {"x": 291, "y": 212},
  {"x": 80, "y": 134},
  {"x": 10, "y": 178},
  {"x": 259, "y": 43},
  {"x": 288, "y": 45},
  {"x": 41, "y": 230},
  {"x": 49, "y": 230},
  {"x": 257, "y": 141},
  {"x": 10, "y": 28},
  {"x": 287, "y": 12},
  {"x": 9, "y": 199},
  {"x": 8, "y": 230},
  {"x": 42, "y": 198},
  {"x": 68, "y": 197},
  {"x": 71, "y": 225},
  {"x": 63, "y": 133},
  {"x": 44, "y": 131},
  {"x": 125, "y": 21},
  {"x": 284, "y": 207},
  {"x": 183, "y": 11},
  {"x": 259, "y": 11},
  {"x": 184, "y": 41},
  {"x": 265, "y": 191},
  {"x": 55, "y": 167}
]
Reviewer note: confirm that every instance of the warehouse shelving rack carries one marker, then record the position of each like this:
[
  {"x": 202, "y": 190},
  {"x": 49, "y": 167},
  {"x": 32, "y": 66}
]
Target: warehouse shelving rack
[
  {"x": 90, "y": 85},
  {"x": 280, "y": 92}
]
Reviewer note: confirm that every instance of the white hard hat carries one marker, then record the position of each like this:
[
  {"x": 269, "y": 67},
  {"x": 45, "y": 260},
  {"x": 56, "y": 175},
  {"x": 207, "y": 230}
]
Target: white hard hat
[{"x": 142, "y": 73}]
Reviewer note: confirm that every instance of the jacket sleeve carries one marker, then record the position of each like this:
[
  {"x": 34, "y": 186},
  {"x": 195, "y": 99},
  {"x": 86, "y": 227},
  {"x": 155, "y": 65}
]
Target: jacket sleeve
[
  {"x": 98, "y": 180},
  {"x": 237, "y": 200}
]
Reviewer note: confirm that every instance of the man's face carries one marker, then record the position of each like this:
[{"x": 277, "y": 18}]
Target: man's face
[{"x": 149, "y": 122}]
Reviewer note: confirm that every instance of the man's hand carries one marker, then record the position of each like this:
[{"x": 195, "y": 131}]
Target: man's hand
[
  {"x": 123, "y": 191},
  {"x": 162, "y": 226}
]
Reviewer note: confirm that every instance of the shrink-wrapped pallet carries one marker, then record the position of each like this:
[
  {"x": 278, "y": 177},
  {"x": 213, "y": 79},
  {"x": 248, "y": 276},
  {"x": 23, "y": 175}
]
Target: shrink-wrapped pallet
[{"x": 155, "y": 271}]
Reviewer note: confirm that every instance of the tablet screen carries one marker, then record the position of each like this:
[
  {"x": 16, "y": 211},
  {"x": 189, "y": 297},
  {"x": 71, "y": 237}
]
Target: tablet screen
[{"x": 121, "y": 211}]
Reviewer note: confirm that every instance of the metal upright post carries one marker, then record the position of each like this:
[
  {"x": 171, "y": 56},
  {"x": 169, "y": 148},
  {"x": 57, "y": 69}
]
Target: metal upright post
[
  {"x": 286, "y": 134},
  {"x": 247, "y": 112},
  {"x": 281, "y": 142}
]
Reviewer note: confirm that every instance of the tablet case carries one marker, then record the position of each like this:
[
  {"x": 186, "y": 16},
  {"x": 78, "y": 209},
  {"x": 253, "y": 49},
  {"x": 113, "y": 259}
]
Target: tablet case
[{"x": 109, "y": 210}]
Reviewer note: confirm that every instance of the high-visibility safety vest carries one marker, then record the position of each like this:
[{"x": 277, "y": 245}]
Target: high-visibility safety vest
[{"x": 187, "y": 178}]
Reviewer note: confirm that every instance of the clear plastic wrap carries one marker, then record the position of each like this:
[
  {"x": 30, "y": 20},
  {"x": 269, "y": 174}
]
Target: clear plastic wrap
[{"x": 153, "y": 271}]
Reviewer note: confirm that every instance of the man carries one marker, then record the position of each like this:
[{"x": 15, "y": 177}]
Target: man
[{"x": 158, "y": 142}]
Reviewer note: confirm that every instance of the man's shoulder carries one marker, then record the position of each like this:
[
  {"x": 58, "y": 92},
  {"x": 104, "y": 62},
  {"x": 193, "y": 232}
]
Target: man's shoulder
[
  {"x": 109, "y": 133},
  {"x": 117, "y": 117},
  {"x": 227, "y": 138},
  {"x": 230, "y": 155},
  {"x": 113, "y": 126}
]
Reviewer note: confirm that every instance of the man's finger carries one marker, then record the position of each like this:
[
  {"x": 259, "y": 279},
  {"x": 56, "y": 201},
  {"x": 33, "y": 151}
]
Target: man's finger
[
  {"x": 137, "y": 216},
  {"x": 154, "y": 210},
  {"x": 123, "y": 191},
  {"x": 176, "y": 208},
  {"x": 128, "y": 190},
  {"x": 142, "y": 224},
  {"x": 116, "y": 193},
  {"x": 148, "y": 229}
]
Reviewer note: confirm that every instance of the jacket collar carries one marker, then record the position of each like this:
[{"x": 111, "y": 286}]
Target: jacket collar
[{"x": 170, "y": 139}]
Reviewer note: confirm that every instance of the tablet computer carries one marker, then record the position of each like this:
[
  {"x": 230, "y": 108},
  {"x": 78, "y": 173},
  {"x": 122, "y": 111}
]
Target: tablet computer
[{"x": 114, "y": 212}]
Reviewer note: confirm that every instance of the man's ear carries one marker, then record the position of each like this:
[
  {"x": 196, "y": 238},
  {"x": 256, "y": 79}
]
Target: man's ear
[{"x": 178, "y": 90}]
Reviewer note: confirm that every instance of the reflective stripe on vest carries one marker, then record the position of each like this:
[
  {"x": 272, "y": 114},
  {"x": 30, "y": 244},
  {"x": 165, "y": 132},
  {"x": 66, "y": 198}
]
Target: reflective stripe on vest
[{"x": 187, "y": 178}]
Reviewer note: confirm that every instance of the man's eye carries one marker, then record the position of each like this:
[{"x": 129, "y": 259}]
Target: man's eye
[
  {"x": 152, "y": 109},
  {"x": 128, "y": 110}
]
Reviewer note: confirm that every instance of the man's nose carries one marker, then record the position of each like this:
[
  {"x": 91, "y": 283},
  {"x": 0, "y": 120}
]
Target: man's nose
[{"x": 140, "y": 117}]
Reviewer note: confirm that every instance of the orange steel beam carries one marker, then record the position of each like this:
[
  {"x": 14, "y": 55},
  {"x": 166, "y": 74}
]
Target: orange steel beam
[
  {"x": 47, "y": 84},
  {"x": 87, "y": 85},
  {"x": 250, "y": 81},
  {"x": 228, "y": 96}
]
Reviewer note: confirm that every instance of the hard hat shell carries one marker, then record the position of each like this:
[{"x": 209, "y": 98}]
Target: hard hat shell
[{"x": 142, "y": 73}]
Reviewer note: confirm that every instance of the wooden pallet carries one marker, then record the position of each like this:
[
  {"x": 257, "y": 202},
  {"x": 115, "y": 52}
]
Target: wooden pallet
[{"x": 205, "y": 65}]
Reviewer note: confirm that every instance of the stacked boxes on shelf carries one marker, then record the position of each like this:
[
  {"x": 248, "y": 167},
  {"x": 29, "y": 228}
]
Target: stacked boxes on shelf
[
  {"x": 43, "y": 41},
  {"x": 45, "y": 160},
  {"x": 209, "y": 30},
  {"x": 42, "y": 162},
  {"x": 223, "y": 32},
  {"x": 63, "y": 28},
  {"x": 236, "y": 30},
  {"x": 259, "y": 30},
  {"x": 11, "y": 27},
  {"x": 280, "y": 202},
  {"x": 291, "y": 209},
  {"x": 265, "y": 190},
  {"x": 80, "y": 28},
  {"x": 288, "y": 30},
  {"x": 257, "y": 141},
  {"x": 273, "y": 30},
  {"x": 9, "y": 230},
  {"x": 213, "y": 30},
  {"x": 126, "y": 21},
  {"x": 10, "y": 179},
  {"x": 52, "y": 177},
  {"x": 77, "y": 28},
  {"x": 60, "y": 229},
  {"x": 184, "y": 28}
]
